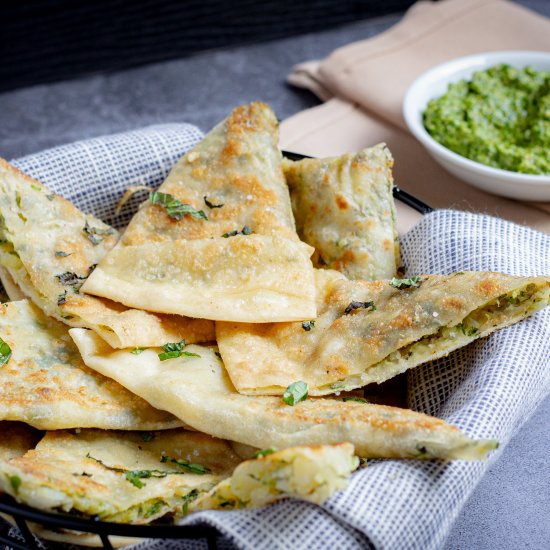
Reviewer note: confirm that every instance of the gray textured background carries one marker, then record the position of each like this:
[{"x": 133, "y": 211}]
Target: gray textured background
[{"x": 511, "y": 507}]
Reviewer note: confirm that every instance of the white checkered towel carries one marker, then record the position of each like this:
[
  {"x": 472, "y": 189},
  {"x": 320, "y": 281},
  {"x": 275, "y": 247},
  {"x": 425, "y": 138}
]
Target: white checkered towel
[{"x": 488, "y": 389}]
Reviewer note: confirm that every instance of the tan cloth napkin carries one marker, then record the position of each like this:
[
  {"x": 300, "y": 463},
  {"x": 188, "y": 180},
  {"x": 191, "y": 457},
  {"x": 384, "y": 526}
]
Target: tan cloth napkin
[{"x": 364, "y": 83}]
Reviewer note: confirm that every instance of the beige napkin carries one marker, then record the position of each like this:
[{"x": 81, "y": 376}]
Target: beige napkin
[{"x": 364, "y": 83}]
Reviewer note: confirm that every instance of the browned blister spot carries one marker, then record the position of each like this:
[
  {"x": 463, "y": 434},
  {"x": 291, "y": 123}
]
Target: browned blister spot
[
  {"x": 341, "y": 202},
  {"x": 452, "y": 302},
  {"x": 403, "y": 320},
  {"x": 488, "y": 287}
]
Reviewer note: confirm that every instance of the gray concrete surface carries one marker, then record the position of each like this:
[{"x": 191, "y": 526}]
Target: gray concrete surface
[{"x": 510, "y": 509}]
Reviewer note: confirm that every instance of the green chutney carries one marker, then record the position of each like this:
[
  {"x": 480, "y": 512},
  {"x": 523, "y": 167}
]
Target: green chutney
[{"x": 501, "y": 118}]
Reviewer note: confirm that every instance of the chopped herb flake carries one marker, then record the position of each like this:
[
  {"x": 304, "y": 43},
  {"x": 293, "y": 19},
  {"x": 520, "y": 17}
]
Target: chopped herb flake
[
  {"x": 154, "y": 509},
  {"x": 187, "y": 499},
  {"x": 352, "y": 398},
  {"x": 308, "y": 325},
  {"x": 218, "y": 354},
  {"x": 401, "y": 284},
  {"x": 338, "y": 385},
  {"x": 36, "y": 187},
  {"x": 15, "y": 482},
  {"x": 137, "y": 351},
  {"x": 211, "y": 205},
  {"x": 244, "y": 231},
  {"x": 174, "y": 350},
  {"x": 265, "y": 452},
  {"x": 61, "y": 254},
  {"x": 135, "y": 476},
  {"x": 62, "y": 298},
  {"x": 296, "y": 392},
  {"x": 174, "y": 207},
  {"x": 193, "y": 468},
  {"x": 147, "y": 436},
  {"x": 359, "y": 305},
  {"x": 51, "y": 196},
  {"x": 72, "y": 279},
  {"x": 94, "y": 234},
  {"x": 5, "y": 352}
]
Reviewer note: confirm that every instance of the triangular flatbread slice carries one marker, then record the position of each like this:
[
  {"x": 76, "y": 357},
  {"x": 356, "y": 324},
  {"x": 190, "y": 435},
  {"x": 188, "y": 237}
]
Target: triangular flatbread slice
[
  {"x": 371, "y": 331},
  {"x": 310, "y": 473},
  {"x": 344, "y": 208},
  {"x": 217, "y": 241},
  {"x": 48, "y": 248},
  {"x": 44, "y": 382},
  {"x": 126, "y": 477},
  {"x": 199, "y": 392}
]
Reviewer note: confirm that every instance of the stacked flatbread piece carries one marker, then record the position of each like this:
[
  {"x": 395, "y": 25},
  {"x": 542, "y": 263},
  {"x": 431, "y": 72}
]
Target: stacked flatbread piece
[{"x": 205, "y": 336}]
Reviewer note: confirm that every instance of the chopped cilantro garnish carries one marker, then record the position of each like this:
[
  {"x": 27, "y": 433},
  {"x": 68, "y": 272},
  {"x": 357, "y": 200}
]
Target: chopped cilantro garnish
[
  {"x": 308, "y": 325},
  {"x": 218, "y": 354},
  {"x": 174, "y": 207},
  {"x": 94, "y": 234},
  {"x": 211, "y": 205},
  {"x": 244, "y": 231},
  {"x": 175, "y": 349},
  {"x": 5, "y": 352},
  {"x": 15, "y": 482},
  {"x": 193, "y": 468},
  {"x": 265, "y": 452},
  {"x": 359, "y": 305},
  {"x": 413, "y": 282},
  {"x": 51, "y": 196},
  {"x": 296, "y": 392},
  {"x": 147, "y": 436},
  {"x": 61, "y": 254},
  {"x": 137, "y": 351}
]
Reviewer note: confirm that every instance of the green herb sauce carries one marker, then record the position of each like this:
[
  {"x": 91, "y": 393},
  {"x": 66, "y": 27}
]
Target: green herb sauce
[{"x": 500, "y": 118}]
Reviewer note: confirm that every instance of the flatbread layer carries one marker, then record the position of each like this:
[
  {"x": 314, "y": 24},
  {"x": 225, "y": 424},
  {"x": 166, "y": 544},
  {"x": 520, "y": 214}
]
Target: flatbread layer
[
  {"x": 199, "y": 392},
  {"x": 369, "y": 332},
  {"x": 221, "y": 225},
  {"x": 343, "y": 207},
  {"x": 312, "y": 473},
  {"x": 48, "y": 248},
  {"x": 117, "y": 476},
  {"x": 255, "y": 278},
  {"x": 45, "y": 383}
]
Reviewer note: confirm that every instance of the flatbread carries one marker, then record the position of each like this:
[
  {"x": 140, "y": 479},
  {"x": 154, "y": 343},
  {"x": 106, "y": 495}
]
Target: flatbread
[
  {"x": 257, "y": 278},
  {"x": 409, "y": 326},
  {"x": 48, "y": 247},
  {"x": 117, "y": 476},
  {"x": 199, "y": 392},
  {"x": 45, "y": 383},
  {"x": 310, "y": 473},
  {"x": 231, "y": 251},
  {"x": 344, "y": 208}
]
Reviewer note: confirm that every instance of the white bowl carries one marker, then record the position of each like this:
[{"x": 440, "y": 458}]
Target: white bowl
[{"x": 433, "y": 83}]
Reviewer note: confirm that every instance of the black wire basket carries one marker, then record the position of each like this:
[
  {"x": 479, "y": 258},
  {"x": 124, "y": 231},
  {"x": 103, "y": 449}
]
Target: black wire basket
[{"x": 23, "y": 515}]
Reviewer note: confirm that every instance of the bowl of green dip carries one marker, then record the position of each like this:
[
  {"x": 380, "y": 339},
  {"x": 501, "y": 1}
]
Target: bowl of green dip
[{"x": 486, "y": 119}]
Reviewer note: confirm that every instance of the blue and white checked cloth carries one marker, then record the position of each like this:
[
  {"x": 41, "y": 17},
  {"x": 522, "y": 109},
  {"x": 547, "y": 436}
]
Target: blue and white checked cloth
[{"x": 488, "y": 389}]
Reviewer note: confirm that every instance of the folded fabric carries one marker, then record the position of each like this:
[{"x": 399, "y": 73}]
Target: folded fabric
[
  {"x": 487, "y": 389},
  {"x": 365, "y": 83}
]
